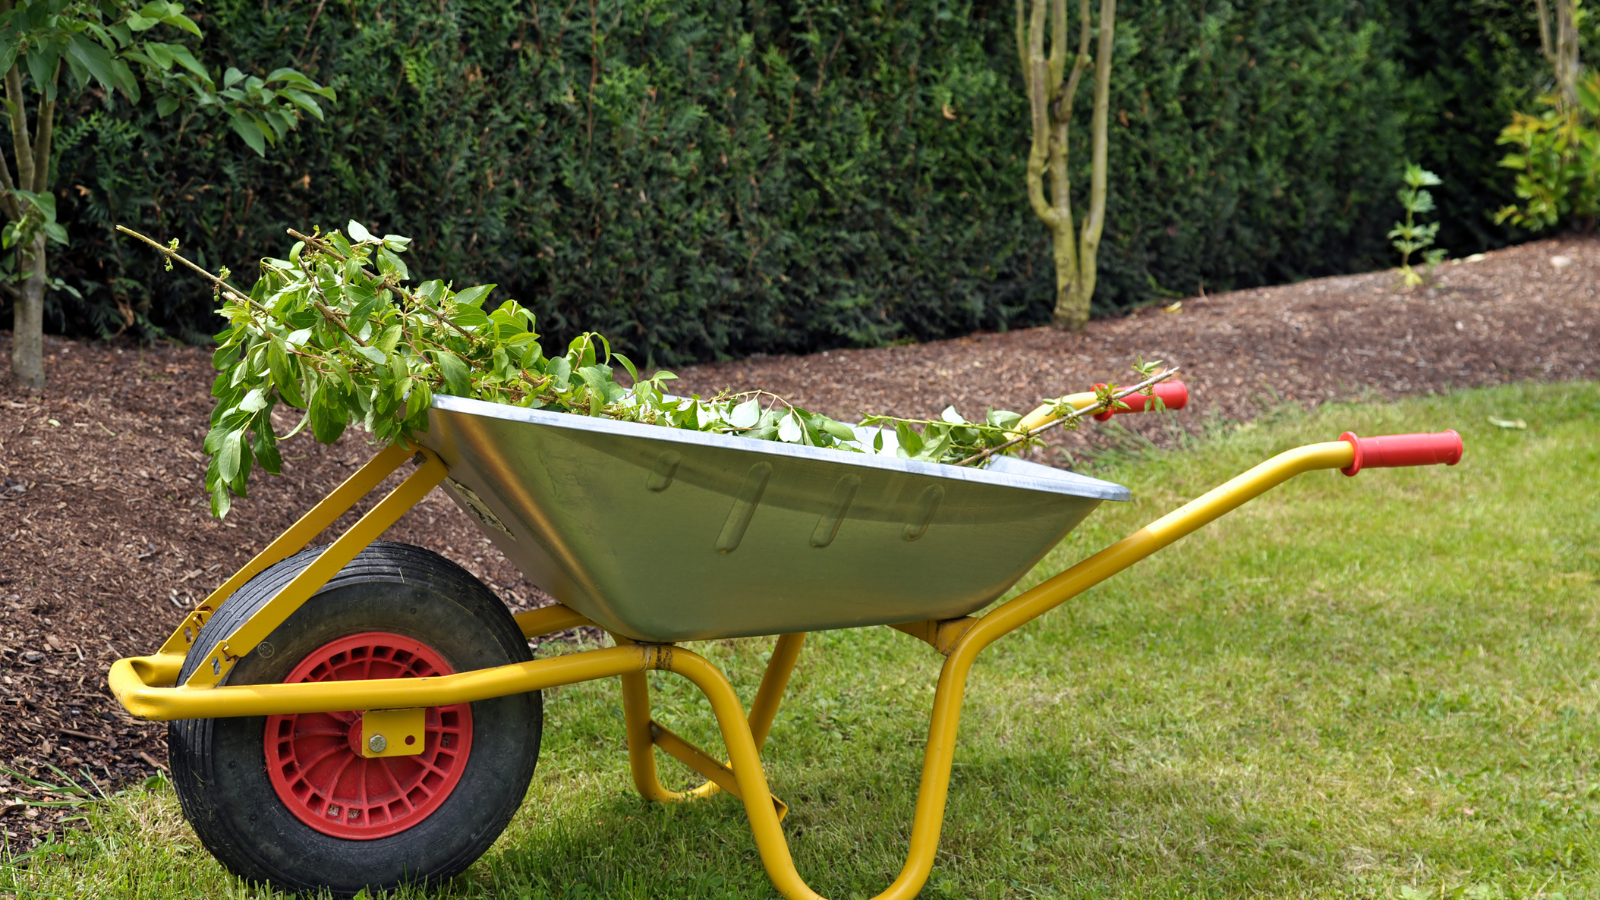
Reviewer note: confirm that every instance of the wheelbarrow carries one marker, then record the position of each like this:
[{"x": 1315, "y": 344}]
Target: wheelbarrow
[{"x": 367, "y": 714}]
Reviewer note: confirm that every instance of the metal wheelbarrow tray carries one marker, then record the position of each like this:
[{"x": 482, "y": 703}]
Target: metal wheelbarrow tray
[
  {"x": 368, "y": 715},
  {"x": 663, "y": 534}
]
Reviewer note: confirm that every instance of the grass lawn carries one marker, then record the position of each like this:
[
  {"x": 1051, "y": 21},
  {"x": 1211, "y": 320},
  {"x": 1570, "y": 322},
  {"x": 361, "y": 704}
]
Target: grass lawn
[{"x": 1384, "y": 686}]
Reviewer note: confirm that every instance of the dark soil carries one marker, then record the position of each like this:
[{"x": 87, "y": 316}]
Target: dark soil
[{"x": 105, "y": 538}]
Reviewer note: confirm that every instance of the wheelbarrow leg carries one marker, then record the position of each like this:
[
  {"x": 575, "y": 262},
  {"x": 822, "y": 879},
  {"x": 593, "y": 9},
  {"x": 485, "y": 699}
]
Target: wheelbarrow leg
[
  {"x": 643, "y": 738},
  {"x": 758, "y": 800}
]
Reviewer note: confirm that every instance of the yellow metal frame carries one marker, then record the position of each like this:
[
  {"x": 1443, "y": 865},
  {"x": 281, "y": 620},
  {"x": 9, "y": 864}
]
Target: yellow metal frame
[{"x": 147, "y": 688}]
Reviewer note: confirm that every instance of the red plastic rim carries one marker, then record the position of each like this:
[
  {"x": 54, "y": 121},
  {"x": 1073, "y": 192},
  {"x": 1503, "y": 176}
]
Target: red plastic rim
[{"x": 314, "y": 759}]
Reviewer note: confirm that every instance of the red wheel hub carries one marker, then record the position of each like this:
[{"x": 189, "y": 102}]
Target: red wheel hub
[{"x": 314, "y": 759}]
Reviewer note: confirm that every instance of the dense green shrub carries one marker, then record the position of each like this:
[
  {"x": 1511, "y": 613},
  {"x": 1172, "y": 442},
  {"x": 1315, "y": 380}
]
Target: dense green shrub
[{"x": 699, "y": 178}]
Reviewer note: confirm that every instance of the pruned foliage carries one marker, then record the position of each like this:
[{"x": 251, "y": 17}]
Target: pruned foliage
[{"x": 333, "y": 330}]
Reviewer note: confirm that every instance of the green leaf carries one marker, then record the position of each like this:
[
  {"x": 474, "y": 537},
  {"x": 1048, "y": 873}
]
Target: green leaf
[
  {"x": 250, "y": 131},
  {"x": 372, "y": 354},
  {"x": 386, "y": 257},
  {"x": 746, "y": 414},
  {"x": 42, "y": 58},
  {"x": 231, "y": 77},
  {"x": 468, "y": 317},
  {"x": 255, "y": 401},
  {"x": 357, "y": 232},
  {"x": 627, "y": 365},
  {"x": 225, "y": 356},
  {"x": 328, "y": 415},
  {"x": 838, "y": 429},
  {"x": 220, "y": 501},
  {"x": 560, "y": 371},
  {"x": 474, "y": 296},
  {"x": 391, "y": 337},
  {"x": 158, "y": 52},
  {"x": 183, "y": 23},
  {"x": 283, "y": 373},
  {"x": 186, "y": 59},
  {"x": 454, "y": 373},
  {"x": 1004, "y": 418},
  {"x": 598, "y": 378},
  {"x": 228, "y": 455},
  {"x": 910, "y": 442},
  {"x": 790, "y": 429},
  {"x": 97, "y": 60},
  {"x": 266, "y": 449},
  {"x": 166, "y": 106}
]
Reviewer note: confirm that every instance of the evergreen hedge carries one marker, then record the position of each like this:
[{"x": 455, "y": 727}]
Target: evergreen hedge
[{"x": 708, "y": 178}]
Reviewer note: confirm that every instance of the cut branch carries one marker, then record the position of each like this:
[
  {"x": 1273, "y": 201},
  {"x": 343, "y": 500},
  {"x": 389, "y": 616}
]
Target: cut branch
[
  {"x": 237, "y": 294},
  {"x": 1076, "y": 414}
]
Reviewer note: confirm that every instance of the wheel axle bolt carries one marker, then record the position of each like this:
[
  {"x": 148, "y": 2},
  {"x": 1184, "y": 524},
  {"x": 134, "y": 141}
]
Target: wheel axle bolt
[{"x": 377, "y": 743}]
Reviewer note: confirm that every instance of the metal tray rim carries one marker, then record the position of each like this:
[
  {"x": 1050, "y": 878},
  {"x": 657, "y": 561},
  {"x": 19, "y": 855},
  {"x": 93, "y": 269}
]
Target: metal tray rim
[{"x": 1035, "y": 477}]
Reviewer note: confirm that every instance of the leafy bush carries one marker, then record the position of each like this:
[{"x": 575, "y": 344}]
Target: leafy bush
[
  {"x": 702, "y": 178},
  {"x": 1557, "y": 160}
]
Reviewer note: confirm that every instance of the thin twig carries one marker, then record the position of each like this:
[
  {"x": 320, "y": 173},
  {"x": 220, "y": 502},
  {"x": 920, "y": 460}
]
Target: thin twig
[
  {"x": 334, "y": 318},
  {"x": 1071, "y": 416},
  {"x": 170, "y": 253}
]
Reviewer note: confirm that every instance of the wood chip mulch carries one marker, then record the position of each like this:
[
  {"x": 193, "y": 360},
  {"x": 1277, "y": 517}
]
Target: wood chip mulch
[
  {"x": 1527, "y": 312},
  {"x": 105, "y": 539}
]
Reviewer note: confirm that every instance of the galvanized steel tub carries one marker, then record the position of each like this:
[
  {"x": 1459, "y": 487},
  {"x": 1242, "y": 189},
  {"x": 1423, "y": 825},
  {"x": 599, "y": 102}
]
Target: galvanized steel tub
[{"x": 662, "y": 534}]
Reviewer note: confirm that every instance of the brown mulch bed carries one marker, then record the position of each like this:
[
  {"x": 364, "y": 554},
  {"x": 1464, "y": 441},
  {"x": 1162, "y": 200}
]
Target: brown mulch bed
[
  {"x": 105, "y": 540},
  {"x": 1513, "y": 314}
]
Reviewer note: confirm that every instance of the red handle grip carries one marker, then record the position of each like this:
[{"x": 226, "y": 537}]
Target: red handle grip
[
  {"x": 1393, "y": 450},
  {"x": 1173, "y": 394}
]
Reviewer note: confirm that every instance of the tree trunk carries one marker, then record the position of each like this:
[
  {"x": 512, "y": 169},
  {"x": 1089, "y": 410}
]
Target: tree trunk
[
  {"x": 1072, "y": 304},
  {"x": 27, "y": 329},
  {"x": 1050, "y": 103},
  {"x": 1561, "y": 47}
]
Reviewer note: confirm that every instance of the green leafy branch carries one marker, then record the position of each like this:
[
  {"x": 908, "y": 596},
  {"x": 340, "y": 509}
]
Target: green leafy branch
[
  {"x": 1411, "y": 236},
  {"x": 334, "y": 331}
]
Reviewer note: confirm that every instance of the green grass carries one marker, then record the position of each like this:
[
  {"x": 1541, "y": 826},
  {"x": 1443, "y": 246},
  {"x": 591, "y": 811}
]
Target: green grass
[{"x": 1349, "y": 688}]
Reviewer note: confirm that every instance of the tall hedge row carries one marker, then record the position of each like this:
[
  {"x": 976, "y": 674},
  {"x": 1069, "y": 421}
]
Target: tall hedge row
[{"x": 705, "y": 178}]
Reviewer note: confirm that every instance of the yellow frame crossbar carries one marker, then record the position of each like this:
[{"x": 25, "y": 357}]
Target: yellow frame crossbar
[{"x": 146, "y": 686}]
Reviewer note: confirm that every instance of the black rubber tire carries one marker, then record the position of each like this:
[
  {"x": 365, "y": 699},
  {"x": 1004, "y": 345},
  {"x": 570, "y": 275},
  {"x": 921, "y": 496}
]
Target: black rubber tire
[{"x": 219, "y": 765}]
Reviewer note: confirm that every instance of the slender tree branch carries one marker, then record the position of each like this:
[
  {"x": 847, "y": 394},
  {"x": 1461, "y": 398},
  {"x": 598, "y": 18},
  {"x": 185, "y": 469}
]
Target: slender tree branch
[
  {"x": 333, "y": 317},
  {"x": 1094, "y": 222},
  {"x": 1058, "y": 44},
  {"x": 1543, "y": 12},
  {"x": 238, "y": 295},
  {"x": 46, "y": 121},
  {"x": 20, "y": 142},
  {"x": 1022, "y": 41},
  {"x": 8, "y": 199},
  {"x": 1064, "y": 104},
  {"x": 1035, "y": 71},
  {"x": 1071, "y": 416}
]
